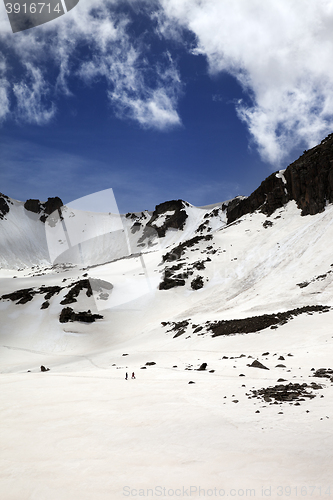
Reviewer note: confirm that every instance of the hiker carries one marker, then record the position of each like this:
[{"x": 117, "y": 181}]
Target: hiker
[
  {"x": 126, "y": 376},
  {"x": 133, "y": 376}
]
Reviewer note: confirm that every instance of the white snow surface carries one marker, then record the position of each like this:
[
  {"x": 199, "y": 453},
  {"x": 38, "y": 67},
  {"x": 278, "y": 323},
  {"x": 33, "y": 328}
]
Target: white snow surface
[{"x": 81, "y": 431}]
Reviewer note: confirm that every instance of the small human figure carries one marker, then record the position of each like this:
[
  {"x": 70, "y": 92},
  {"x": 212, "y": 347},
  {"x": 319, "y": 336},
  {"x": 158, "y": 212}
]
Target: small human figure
[
  {"x": 126, "y": 376},
  {"x": 133, "y": 376}
]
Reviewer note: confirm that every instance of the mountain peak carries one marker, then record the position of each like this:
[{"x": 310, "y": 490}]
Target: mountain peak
[{"x": 308, "y": 181}]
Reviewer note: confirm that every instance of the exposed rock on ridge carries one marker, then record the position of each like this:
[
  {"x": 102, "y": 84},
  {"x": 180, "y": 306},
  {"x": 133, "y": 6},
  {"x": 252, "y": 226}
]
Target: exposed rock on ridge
[
  {"x": 46, "y": 208},
  {"x": 308, "y": 181},
  {"x": 4, "y": 207},
  {"x": 175, "y": 220}
]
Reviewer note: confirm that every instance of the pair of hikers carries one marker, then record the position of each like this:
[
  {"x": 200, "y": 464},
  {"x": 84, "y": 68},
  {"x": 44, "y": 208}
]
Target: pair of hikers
[{"x": 126, "y": 376}]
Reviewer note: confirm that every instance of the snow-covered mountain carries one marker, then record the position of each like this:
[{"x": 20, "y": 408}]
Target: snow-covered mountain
[{"x": 179, "y": 295}]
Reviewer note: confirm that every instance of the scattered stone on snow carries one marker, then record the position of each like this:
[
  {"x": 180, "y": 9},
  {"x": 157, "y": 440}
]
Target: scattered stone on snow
[
  {"x": 324, "y": 373},
  {"x": 286, "y": 393}
]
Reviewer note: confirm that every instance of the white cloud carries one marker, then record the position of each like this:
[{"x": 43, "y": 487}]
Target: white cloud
[
  {"x": 4, "y": 99},
  {"x": 30, "y": 94},
  {"x": 111, "y": 53},
  {"x": 280, "y": 52}
]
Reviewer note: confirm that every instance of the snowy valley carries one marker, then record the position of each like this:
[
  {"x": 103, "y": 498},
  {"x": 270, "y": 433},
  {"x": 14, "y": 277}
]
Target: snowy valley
[{"x": 224, "y": 313}]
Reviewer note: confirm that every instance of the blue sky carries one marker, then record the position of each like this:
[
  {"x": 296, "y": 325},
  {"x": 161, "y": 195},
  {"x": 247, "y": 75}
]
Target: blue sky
[{"x": 163, "y": 99}]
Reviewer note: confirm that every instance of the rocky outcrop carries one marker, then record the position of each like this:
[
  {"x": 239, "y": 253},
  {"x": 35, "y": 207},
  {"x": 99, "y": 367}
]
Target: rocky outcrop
[
  {"x": 44, "y": 208},
  {"x": 93, "y": 284},
  {"x": 178, "y": 251},
  {"x": 4, "y": 206},
  {"x": 27, "y": 294},
  {"x": 67, "y": 314},
  {"x": 257, "y": 323},
  {"x": 308, "y": 181},
  {"x": 197, "y": 283},
  {"x": 175, "y": 220},
  {"x": 171, "y": 280},
  {"x": 74, "y": 291}
]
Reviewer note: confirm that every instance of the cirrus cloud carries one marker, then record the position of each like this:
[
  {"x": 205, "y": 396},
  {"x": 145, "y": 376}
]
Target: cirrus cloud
[{"x": 90, "y": 42}]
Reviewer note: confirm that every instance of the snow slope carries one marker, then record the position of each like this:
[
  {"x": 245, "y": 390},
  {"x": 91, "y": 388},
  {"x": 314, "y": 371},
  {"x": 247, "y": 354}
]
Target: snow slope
[{"x": 82, "y": 431}]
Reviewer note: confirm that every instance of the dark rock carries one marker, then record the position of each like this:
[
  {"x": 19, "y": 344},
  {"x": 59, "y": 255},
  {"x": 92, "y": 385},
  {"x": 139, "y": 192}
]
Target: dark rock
[
  {"x": 179, "y": 327},
  {"x": 280, "y": 366},
  {"x": 136, "y": 227},
  {"x": 52, "y": 204},
  {"x": 281, "y": 358},
  {"x": 257, "y": 364},
  {"x": 202, "y": 367},
  {"x": 180, "y": 249},
  {"x": 43, "y": 369},
  {"x": 303, "y": 285},
  {"x": 232, "y": 204},
  {"x": 285, "y": 393},
  {"x": 197, "y": 283},
  {"x": 34, "y": 206},
  {"x": 324, "y": 373},
  {"x": 45, "y": 305},
  {"x": 150, "y": 363},
  {"x": 191, "y": 382},
  {"x": 21, "y": 296},
  {"x": 26, "y": 295},
  {"x": 4, "y": 205},
  {"x": 67, "y": 314},
  {"x": 200, "y": 265},
  {"x": 265, "y": 353},
  {"x": 176, "y": 220},
  {"x": 309, "y": 181},
  {"x": 257, "y": 323},
  {"x": 170, "y": 281},
  {"x": 46, "y": 208},
  {"x": 74, "y": 291}
]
